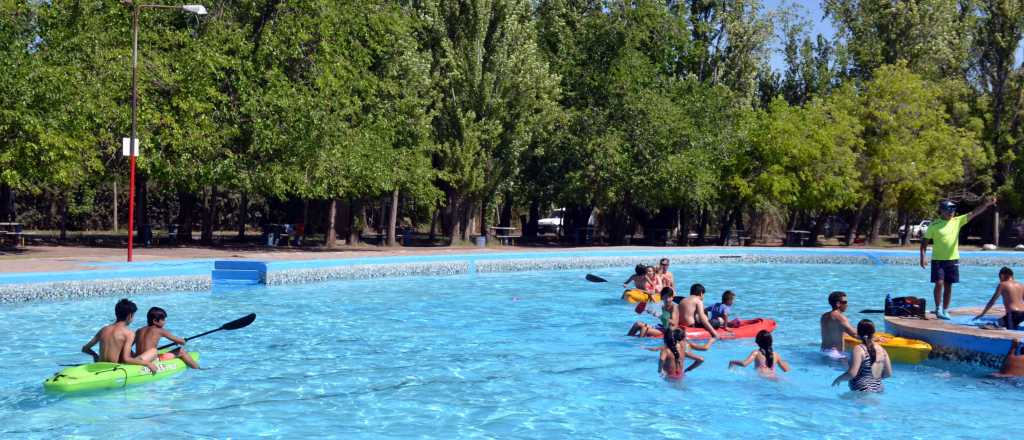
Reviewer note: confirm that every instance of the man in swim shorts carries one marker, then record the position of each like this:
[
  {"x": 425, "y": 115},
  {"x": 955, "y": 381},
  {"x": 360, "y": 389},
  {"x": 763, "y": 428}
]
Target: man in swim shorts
[
  {"x": 148, "y": 337},
  {"x": 1013, "y": 299},
  {"x": 833, "y": 325},
  {"x": 944, "y": 233},
  {"x": 690, "y": 312},
  {"x": 116, "y": 340}
]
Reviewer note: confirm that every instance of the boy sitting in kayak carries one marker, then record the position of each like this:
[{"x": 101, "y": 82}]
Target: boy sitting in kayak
[
  {"x": 116, "y": 340},
  {"x": 147, "y": 338},
  {"x": 719, "y": 313}
]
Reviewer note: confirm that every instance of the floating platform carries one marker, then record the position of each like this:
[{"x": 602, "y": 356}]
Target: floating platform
[{"x": 959, "y": 339}]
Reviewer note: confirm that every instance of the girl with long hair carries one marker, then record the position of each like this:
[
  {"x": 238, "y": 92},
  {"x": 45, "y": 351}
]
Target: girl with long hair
[
  {"x": 670, "y": 362},
  {"x": 869, "y": 364},
  {"x": 764, "y": 357}
]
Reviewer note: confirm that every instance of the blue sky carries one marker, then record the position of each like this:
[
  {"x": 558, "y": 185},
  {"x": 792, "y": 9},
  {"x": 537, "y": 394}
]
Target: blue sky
[{"x": 812, "y": 12}]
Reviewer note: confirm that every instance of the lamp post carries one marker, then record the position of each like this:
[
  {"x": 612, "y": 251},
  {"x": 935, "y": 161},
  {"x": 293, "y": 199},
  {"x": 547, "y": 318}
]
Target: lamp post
[{"x": 133, "y": 140}]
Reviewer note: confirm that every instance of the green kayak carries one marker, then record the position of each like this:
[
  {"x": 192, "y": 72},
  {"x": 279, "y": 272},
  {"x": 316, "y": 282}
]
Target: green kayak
[{"x": 101, "y": 375}]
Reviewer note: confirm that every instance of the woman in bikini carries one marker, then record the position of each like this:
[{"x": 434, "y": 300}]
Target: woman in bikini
[
  {"x": 869, "y": 364},
  {"x": 764, "y": 358}
]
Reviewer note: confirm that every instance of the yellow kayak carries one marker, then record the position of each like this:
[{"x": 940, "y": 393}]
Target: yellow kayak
[
  {"x": 902, "y": 350},
  {"x": 636, "y": 295}
]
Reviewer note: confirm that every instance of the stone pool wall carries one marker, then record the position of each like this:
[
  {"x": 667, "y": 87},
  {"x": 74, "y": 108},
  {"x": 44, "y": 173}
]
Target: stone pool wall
[
  {"x": 70, "y": 290},
  {"x": 63, "y": 290}
]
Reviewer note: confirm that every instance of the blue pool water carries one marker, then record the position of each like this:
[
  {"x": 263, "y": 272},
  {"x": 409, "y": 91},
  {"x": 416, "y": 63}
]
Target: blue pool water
[{"x": 538, "y": 355}]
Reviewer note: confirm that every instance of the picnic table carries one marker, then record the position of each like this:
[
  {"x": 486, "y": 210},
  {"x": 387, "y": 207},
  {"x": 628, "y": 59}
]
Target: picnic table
[
  {"x": 797, "y": 237},
  {"x": 504, "y": 234},
  {"x": 12, "y": 232}
]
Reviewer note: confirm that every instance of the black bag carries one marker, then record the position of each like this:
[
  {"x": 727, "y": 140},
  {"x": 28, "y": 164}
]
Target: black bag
[{"x": 906, "y": 306}]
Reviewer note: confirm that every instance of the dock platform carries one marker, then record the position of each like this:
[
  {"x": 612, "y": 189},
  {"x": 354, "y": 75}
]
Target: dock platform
[{"x": 954, "y": 339}]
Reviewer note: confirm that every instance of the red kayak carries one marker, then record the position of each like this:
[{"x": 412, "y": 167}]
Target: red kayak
[{"x": 747, "y": 328}]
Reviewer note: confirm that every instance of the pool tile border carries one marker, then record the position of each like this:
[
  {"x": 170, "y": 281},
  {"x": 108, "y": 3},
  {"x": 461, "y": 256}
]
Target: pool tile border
[{"x": 80, "y": 289}]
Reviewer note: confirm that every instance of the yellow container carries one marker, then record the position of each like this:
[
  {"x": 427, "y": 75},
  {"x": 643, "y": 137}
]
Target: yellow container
[
  {"x": 634, "y": 296},
  {"x": 902, "y": 350}
]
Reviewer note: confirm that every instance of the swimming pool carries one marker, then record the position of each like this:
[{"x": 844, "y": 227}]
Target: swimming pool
[{"x": 501, "y": 355}]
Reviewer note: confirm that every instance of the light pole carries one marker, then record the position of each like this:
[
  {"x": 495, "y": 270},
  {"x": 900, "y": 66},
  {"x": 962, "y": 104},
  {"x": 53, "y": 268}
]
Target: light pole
[{"x": 133, "y": 140}]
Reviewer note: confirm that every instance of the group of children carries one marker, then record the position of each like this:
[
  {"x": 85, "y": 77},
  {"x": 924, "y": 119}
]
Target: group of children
[
  {"x": 117, "y": 340},
  {"x": 677, "y": 313}
]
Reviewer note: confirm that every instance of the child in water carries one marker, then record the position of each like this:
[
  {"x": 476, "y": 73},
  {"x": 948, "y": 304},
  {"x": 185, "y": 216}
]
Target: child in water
[
  {"x": 670, "y": 361},
  {"x": 764, "y": 358}
]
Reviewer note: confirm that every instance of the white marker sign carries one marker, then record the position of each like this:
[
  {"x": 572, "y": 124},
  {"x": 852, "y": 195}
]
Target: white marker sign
[{"x": 126, "y": 147}]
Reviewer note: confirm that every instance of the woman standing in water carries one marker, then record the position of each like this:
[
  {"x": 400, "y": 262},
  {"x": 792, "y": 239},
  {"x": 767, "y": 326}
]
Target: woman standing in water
[
  {"x": 764, "y": 358},
  {"x": 869, "y": 364}
]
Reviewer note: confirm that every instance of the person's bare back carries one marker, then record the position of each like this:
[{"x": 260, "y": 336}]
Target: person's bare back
[
  {"x": 1013, "y": 295},
  {"x": 115, "y": 339},
  {"x": 148, "y": 337}
]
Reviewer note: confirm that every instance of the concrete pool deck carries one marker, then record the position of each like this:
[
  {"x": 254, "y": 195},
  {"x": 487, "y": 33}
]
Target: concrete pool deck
[{"x": 953, "y": 340}]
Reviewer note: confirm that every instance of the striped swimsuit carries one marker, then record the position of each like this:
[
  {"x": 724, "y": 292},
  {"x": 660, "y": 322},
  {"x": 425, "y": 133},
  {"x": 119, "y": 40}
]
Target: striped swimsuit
[{"x": 865, "y": 380}]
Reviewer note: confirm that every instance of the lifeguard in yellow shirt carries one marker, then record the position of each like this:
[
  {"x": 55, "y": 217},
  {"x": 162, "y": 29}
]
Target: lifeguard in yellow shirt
[{"x": 944, "y": 232}]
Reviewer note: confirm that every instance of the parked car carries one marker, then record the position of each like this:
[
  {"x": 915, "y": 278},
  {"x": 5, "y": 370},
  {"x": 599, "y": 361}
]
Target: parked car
[
  {"x": 918, "y": 230},
  {"x": 553, "y": 222}
]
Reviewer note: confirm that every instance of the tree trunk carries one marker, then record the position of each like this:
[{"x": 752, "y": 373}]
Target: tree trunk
[
  {"x": 851, "y": 233},
  {"x": 115, "y": 225},
  {"x": 5, "y": 203},
  {"x": 728, "y": 220},
  {"x": 505, "y": 219},
  {"x": 209, "y": 212},
  {"x": 356, "y": 222},
  {"x": 702, "y": 228},
  {"x": 684, "y": 226},
  {"x": 876, "y": 216},
  {"x": 451, "y": 217},
  {"x": 393, "y": 218},
  {"x": 331, "y": 236},
  {"x": 433, "y": 224},
  {"x": 530, "y": 228},
  {"x": 243, "y": 214},
  {"x": 995, "y": 225},
  {"x": 63, "y": 217},
  {"x": 186, "y": 204},
  {"x": 344, "y": 216}
]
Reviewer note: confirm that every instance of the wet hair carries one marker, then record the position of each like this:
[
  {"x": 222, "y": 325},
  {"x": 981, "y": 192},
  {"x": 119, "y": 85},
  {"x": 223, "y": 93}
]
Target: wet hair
[
  {"x": 866, "y": 331},
  {"x": 834, "y": 297},
  {"x": 1006, "y": 272},
  {"x": 155, "y": 314},
  {"x": 696, "y": 289},
  {"x": 672, "y": 338},
  {"x": 649, "y": 268},
  {"x": 640, "y": 269},
  {"x": 727, "y": 295},
  {"x": 124, "y": 308},
  {"x": 667, "y": 291},
  {"x": 663, "y": 260},
  {"x": 764, "y": 343}
]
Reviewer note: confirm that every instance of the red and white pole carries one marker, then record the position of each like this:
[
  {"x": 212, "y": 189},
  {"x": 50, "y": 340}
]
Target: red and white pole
[{"x": 133, "y": 140}]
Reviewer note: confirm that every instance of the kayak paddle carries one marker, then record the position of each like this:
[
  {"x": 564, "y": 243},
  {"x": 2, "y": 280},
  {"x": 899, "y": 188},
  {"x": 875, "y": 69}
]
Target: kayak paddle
[
  {"x": 872, "y": 311},
  {"x": 233, "y": 325},
  {"x": 595, "y": 279}
]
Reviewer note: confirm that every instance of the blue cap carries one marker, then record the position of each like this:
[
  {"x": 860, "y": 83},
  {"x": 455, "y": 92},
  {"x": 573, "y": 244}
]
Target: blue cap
[{"x": 947, "y": 205}]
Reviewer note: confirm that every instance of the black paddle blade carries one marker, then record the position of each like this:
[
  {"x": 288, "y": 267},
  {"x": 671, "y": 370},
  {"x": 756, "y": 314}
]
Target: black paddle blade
[
  {"x": 595, "y": 279},
  {"x": 240, "y": 322},
  {"x": 872, "y": 311}
]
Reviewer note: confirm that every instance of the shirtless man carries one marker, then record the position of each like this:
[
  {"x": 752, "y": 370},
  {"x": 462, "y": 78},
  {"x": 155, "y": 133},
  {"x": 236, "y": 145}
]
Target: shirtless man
[
  {"x": 690, "y": 311},
  {"x": 148, "y": 337},
  {"x": 1013, "y": 364},
  {"x": 667, "y": 280},
  {"x": 833, "y": 325},
  {"x": 1013, "y": 299},
  {"x": 116, "y": 340}
]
